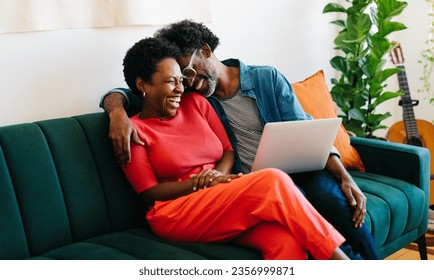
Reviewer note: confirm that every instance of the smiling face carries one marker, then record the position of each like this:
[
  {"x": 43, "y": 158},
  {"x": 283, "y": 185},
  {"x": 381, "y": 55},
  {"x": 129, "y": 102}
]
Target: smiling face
[
  {"x": 205, "y": 81},
  {"x": 163, "y": 94}
]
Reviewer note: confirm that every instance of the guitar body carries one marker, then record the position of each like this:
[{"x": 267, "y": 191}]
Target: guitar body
[{"x": 397, "y": 134}]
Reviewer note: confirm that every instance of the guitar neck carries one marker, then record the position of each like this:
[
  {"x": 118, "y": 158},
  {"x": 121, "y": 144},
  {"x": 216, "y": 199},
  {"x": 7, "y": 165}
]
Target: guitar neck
[{"x": 407, "y": 106}]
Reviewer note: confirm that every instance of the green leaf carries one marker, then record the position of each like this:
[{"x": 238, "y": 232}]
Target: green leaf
[
  {"x": 339, "y": 22},
  {"x": 375, "y": 89},
  {"x": 358, "y": 27},
  {"x": 339, "y": 63},
  {"x": 360, "y": 100},
  {"x": 345, "y": 43},
  {"x": 374, "y": 67},
  {"x": 365, "y": 68},
  {"x": 362, "y": 85},
  {"x": 387, "y": 27},
  {"x": 390, "y": 8},
  {"x": 376, "y": 119},
  {"x": 359, "y": 7},
  {"x": 380, "y": 46},
  {"x": 357, "y": 114},
  {"x": 385, "y": 74},
  {"x": 340, "y": 100},
  {"x": 362, "y": 53},
  {"x": 334, "y": 81},
  {"x": 370, "y": 67},
  {"x": 334, "y": 7},
  {"x": 355, "y": 127},
  {"x": 387, "y": 96},
  {"x": 377, "y": 127}
]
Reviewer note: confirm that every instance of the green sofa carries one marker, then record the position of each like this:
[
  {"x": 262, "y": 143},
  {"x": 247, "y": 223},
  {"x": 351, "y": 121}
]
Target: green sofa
[{"x": 63, "y": 196}]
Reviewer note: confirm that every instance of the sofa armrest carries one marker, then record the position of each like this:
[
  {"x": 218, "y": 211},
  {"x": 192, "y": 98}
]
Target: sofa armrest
[{"x": 401, "y": 161}]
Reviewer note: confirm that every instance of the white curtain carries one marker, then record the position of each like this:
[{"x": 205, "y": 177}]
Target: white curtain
[{"x": 38, "y": 15}]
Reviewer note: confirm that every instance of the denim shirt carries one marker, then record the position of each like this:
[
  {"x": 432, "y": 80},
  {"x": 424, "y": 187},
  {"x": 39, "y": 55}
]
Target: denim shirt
[{"x": 274, "y": 97}]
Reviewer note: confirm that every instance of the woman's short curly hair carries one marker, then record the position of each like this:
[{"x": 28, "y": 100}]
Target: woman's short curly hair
[
  {"x": 189, "y": 36},
  {"x": 142, "y": 58}
]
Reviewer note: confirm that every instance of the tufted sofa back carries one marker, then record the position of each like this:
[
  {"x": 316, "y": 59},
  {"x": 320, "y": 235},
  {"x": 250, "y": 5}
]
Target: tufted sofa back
[{"x": 60, "y": 183}]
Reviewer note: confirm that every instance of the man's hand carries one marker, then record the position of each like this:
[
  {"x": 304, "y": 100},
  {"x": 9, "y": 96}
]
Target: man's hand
[
  {"x": 356, "y": 198},
  {"x": 121, "y": 133},
  {"x": 352, "y": 192},
  {"x": 121, "y": 130}
]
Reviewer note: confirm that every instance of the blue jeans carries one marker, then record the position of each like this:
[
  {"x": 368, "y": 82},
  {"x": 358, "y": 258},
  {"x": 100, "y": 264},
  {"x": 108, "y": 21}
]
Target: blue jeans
[{"x": 323, "y": 191}]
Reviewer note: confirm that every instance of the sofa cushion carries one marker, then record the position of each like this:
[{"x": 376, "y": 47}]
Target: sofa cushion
[
  {"x": 393, "y": 206},
  {"x": 40, "y": 206},
  {"x": 213, "y": 251},
  {"x": 97, "y": 195},
  {"x": 10, "y": 218},
  {"x": 124, "y": 206},
  {"x": 83, "y": 194},
  {"x": 121, "y": 246},
  {"x": 316, "y": 100},
  {"x": 139, "y": 243}
]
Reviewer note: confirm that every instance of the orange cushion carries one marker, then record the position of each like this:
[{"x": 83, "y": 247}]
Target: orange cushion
[{"x": 316, "y": 100}]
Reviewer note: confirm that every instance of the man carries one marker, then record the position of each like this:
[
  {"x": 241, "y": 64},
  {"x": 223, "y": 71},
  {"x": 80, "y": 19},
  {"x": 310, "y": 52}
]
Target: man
[{"x": 245, "y": 98}]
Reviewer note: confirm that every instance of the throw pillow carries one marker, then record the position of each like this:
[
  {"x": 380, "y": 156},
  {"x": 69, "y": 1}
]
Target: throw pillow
[{"x": 316, "y": 100}]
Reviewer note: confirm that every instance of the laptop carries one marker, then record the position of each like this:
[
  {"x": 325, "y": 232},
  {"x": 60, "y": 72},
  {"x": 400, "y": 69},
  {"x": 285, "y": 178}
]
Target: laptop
[{"x": 296, "y": 146}]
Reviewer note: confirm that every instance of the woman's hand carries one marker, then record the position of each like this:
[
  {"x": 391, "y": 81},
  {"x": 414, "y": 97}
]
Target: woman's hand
[{"x": 211, "y": 177}]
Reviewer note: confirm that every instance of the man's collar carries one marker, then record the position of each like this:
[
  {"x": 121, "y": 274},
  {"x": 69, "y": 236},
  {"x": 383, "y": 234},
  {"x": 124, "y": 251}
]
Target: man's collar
[{"x": 246, "y": 81}]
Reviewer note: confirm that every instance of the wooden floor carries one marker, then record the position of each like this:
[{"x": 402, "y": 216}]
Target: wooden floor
[{"x": 411, "y": 252}]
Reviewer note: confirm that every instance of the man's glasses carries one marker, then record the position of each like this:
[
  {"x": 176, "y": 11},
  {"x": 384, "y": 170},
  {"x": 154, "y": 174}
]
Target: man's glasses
[{"x": 189, "y": 72}]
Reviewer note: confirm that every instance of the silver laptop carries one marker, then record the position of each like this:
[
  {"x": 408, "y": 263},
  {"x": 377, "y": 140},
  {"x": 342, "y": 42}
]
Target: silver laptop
[{"x": 296, "y": 146}]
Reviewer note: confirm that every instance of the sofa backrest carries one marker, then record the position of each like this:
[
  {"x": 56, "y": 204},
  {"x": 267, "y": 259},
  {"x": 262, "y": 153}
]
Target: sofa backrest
[{"x": 60, "y": 183}]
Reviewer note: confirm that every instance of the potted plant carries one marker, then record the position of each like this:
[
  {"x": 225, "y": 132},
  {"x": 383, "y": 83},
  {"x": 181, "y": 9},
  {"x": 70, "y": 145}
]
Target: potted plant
[{"x": 363, "y": 45}]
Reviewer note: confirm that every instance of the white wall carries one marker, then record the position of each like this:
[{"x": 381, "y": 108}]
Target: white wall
[
  {"x": 293, "y": 36},
  {"x": 61, "y": 73}
]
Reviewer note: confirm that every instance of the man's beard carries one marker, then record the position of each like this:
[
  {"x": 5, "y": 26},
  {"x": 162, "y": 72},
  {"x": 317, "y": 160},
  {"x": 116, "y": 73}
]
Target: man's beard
[
  {"x": 212, "y": 84},
  {"x": 208, "y": 91}
]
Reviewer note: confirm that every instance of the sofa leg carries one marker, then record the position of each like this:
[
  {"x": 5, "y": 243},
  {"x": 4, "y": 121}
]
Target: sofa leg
[{"x": 421, "y": 244}]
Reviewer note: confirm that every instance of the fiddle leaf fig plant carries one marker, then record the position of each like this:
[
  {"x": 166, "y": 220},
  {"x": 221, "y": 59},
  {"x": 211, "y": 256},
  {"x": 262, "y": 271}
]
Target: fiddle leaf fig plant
[{"x": 363, "y": 45}]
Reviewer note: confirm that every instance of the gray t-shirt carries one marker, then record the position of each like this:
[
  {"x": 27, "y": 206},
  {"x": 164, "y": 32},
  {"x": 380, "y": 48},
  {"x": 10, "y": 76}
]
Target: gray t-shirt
[{"x": 243, "y": 116}]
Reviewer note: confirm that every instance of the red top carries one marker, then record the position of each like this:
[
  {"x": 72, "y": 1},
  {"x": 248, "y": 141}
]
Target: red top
[{"x": 193, "y": 140}]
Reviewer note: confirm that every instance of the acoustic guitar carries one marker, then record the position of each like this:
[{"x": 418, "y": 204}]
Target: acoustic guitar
[{"x": 410, "y": 130}]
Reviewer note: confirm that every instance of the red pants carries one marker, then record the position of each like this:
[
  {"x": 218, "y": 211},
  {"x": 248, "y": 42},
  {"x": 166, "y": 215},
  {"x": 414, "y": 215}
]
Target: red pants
[{"x": 264, "y": 210}]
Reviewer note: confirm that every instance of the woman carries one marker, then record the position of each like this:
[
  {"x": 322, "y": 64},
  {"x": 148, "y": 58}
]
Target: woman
[{"x": 183, "y": 172}]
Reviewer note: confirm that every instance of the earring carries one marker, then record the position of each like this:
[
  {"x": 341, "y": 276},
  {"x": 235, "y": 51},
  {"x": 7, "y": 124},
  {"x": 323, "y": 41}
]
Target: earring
[{"x": 144, "y": 94}]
